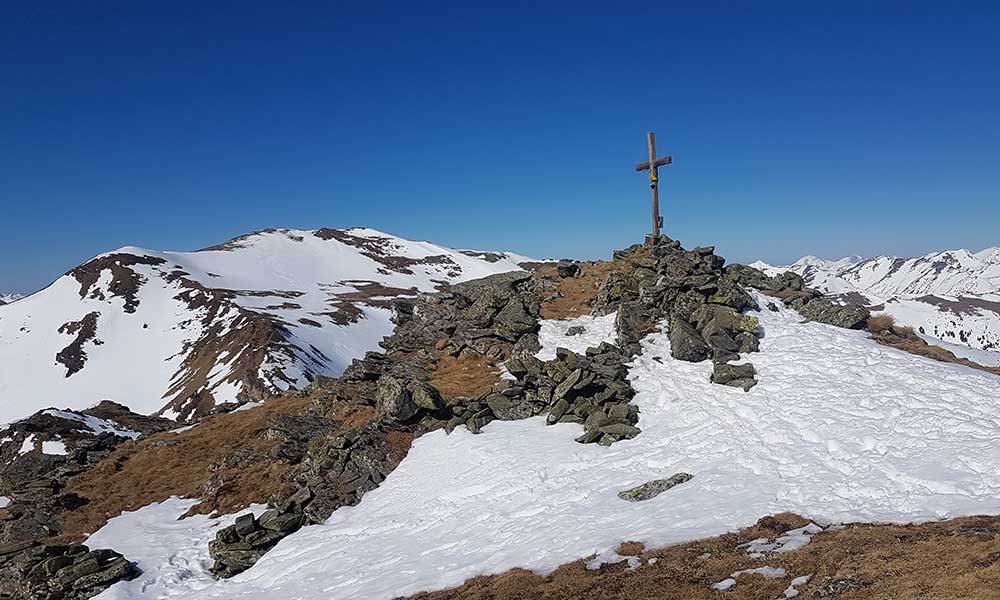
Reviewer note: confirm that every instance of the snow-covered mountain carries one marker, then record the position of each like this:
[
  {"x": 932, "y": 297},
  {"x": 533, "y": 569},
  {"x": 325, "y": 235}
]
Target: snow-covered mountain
[
  {"x": 176, "y": 333},
  {"x": 952, "y": 295},
  {"x": 8, "y": 298}
]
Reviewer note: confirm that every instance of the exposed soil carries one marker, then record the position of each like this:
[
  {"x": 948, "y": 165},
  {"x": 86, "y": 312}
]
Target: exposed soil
[
  {"x": 956, "y": 559},
  {"x": 379, "y": 249},
  {"x": 73, "y": 356},
  {"x": 125, "y": 282},
  {"x": 572, "y": 296},
  {"x": 467, "y": 376},
  {"x": 227, "y": 460}
]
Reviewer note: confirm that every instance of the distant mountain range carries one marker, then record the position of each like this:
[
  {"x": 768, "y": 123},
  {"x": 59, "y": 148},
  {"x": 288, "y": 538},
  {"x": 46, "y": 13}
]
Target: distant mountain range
[
  {"x": 177, "y": 333},
  {"x": 952, "y": 295}
]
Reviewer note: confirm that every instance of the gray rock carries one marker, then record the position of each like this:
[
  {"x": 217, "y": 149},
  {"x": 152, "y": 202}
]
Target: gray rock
[
  {"x": 735, "y": 375},
  {"x": 685, "y": 343},
  {"x": 822, "y": 310},
  {"x": 567, "y": 268},
  {"x": 652, "y": 489},
  {"x": 576, "y": 330},
  {"x": 393, "y": 400}
]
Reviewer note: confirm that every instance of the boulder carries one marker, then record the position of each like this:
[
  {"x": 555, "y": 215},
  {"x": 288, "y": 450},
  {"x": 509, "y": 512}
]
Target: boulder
[
  {"x": 393, "y": 400},
  {"x": 741, "y": 376},
  {"x": 825, "y": 311},
  {"x": 566, "y": 268},
  {"x": 652, "y": 489},
  {"x": 686, "y": 343}
]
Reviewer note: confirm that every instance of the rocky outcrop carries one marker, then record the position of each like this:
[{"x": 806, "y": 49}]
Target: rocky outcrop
[
  {"x": 38, "y": 455},
  {"x": 700, "y": 299},
  {"x": 811, "y": 304},
  {"x": 31, "y": 570}
]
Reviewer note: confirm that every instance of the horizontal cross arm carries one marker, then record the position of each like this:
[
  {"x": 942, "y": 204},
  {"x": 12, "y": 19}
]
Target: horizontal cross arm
[{"x": 644, "y": 166}]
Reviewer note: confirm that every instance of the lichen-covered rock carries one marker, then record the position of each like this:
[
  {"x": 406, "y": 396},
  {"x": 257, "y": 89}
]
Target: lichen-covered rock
[
  {"x": 31, "y": 570},
  {"x": 652, "y": 489},
  {"x": 686, "y": 343},
  {"x": 825, "y": 311},
  {"x": 741, "y": 376}
]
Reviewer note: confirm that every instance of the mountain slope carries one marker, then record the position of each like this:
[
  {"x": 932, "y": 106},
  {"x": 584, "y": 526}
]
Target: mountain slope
[
  {"x": 839, "y": 429},
  {"x": 177, "y": 333},
  {"x": 952, "y": 295}
]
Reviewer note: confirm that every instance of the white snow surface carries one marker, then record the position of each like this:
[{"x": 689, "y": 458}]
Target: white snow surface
[
  {"x": 552, "y": 334},
  {"x": 4, "y": 501},
  {"x": 8, "y": 298},
  {"x": 172, "y": 552},
  {"x": 952, "y": 295},
  {"x": 54, "y": 447},
  {"x": 286, "y": 274},
  {"x": 95, "y": 425},
  {"x": 839, "y": 429}
]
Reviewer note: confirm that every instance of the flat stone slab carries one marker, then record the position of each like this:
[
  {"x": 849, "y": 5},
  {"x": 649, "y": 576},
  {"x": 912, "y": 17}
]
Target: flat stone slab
[{"x": 652, "y": 489}]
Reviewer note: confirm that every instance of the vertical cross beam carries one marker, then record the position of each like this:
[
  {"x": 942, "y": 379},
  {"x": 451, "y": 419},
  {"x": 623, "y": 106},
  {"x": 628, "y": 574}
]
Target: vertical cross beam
[
  {"x": 653, "y": 174},
  {"x": 652, "y": 164}
]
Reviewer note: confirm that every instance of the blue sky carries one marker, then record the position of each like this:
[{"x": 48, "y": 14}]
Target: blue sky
[{"x": 794, "y": 130}]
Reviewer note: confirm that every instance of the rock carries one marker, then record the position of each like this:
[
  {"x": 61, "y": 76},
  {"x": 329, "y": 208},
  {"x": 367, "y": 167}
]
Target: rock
[
  {"x": 748, "y": 276},
  {"x": 393, "y": 400},
  {"x": 735, "y": 375},
  {"x": 654, "y": 488},
  {"x": 575, "y": 330},
  {"x": 787, "y": 281},
  {"x": 567, "y": 268},
  {"x": 747, "y": 342},
  {"x": 685, "y": 343},
  {"x": 822, "y": 310}
]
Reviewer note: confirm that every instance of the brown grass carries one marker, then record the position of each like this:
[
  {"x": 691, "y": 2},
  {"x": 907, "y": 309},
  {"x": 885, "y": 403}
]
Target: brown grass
[
  {"x": 225, "y": 453},
  {"x": 957, "y": 559},
  {"x": 915, "y": 345},
  {"x": 881, "y": 323},
  {"x": 573, "y": 296},
  {"x": 466, "y": 376}
]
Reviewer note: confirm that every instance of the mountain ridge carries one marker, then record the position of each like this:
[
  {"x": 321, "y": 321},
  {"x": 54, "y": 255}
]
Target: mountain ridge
[{"x": 187, "y": 331}]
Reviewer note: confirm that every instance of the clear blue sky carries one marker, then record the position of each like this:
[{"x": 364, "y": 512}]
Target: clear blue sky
[{"x": 847, "y": 130}]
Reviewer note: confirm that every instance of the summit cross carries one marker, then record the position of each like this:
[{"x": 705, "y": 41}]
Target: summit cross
[{"x": 652, "y": 164}]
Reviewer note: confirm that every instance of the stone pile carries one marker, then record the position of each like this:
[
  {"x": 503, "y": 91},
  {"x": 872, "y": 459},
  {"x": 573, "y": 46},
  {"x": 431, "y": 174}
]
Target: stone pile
[
  {"x": 30, "y": 570},
  {"x": 690, "y": 290},
  {"x": 591, "y": 390}
]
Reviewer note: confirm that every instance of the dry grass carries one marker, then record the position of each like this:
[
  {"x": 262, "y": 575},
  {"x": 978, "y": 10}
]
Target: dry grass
[
  {"x": 915, "y": 345},
  {"x": 226, "y": 455},
  {"x": 573, "y": 296},
  {"x": 466, "y": 376},
  {"x": 886, "y": 323},
  {"x": 957, "y": 559}
]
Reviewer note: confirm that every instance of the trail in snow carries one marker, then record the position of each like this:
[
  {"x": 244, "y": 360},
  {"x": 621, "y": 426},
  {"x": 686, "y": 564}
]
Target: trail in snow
[{"x": 838, "y": 429}]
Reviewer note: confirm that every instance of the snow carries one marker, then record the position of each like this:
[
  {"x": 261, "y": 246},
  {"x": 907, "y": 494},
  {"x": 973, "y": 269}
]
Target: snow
[
  {"x": 137, "y": 357},
  {"x": 729, "y": 583},
  {"x": 983, "y": 357},
  {"x": 172, "y": 552},
  {"x": 552, "y": 334},
  {"x": 790, "y": 591},
  {"x": 4, "y": 501},
  {"x": 901, "y": 286},
  {"x": 791, "y": 540},
  {"x": 27, "y": 445},
  {"x": 54, "y": 447},
  {"x": 839, "y": 429},
  {"x": 96, "y": 426}
]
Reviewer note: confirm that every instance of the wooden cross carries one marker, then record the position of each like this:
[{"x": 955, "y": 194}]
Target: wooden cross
[{"x": 652, "y": 165}]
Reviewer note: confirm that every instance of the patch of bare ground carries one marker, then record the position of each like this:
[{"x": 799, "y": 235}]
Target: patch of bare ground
[
  {"x": 955, "y": 559},
  {"x": 227, "y": 460},
  {"x": 572, "y": 296},
  {"x": 468, "y": 375},
  {"x": 887, "y": 332},
  {"x": 784, "y": 294}
]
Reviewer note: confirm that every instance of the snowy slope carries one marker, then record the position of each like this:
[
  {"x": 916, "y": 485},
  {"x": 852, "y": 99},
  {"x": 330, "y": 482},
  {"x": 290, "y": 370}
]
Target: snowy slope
[
  {"x": 952, "y": 295},
  {"x": 839, "y": 429},
  {"x": 179, "y": 332}
]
